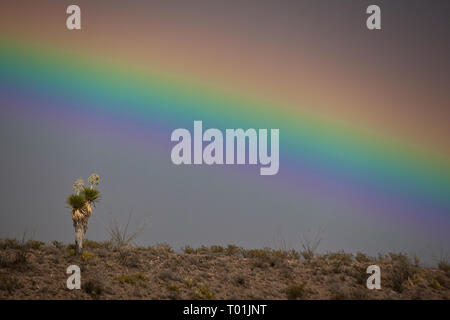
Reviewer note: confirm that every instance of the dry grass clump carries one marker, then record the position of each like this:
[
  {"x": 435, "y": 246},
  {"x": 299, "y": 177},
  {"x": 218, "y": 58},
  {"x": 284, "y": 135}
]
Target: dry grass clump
[
  {"x": 296, "y": 291},
  {"x": 132, "y": 278},
  {"x": 203, "y": 293}
]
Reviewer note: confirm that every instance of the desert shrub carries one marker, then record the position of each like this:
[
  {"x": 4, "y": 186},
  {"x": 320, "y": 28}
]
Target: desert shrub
[
  {"x": 263, "y": 258},
  {"x": 362, "y": 258},
  {"x": 203, "y": 293},
  {"x": 296, "y": 291},
  {"x": 310, "y": 242},
  {"x": 231, "y": 250},
  {"x": 216, "y": 249},
  {"x": 174, "y": 292},
  {"x": 93, "y": 287},
  {"x": 16, "y": 260},
  {"x": 89, "y": 244},
  {"x": 337, "y": 292},
  {"x": 167, "y": 275},
  {"x": 337, "y": 266},
  {"x": 128, "y": 257},
  {"x": 87, "y": 256},
  {"x": 307, "y": 255},
  {"x": 401, "y": 270},
  {"x": 8, "y": 283},
  {"x": 286, "y": 272},
  {"x": 292, "y": 254},
  {"x": 132, "y": 278},
  {"x": 34, "y": 244},
  {"x": 9, "y": 244},
  {"x": 344, "y": 258},
  {"x": 119, "y": 234},
  {"x": 435, "y": 284},
  {"x": 173, "y": 287},
  {"x": 90, "y": 194},
  {"x": 188, "y": 249},
  {"x": 189, "y": 282},
  {"x": 164, "y": 248},
  {"x": 201, "y": 250},
  {"x": 57, "y": 244},
  {"x": 239, "y": 280},
  {"x": 360, "y": 275}
]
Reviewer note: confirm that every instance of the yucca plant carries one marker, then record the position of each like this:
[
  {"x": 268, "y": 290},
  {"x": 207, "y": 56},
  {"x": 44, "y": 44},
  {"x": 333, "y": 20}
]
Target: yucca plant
[
  {"x": 91, "y": 195},
  {"x": 81, "y": 205},
  {"x": 76, "y": 202}
]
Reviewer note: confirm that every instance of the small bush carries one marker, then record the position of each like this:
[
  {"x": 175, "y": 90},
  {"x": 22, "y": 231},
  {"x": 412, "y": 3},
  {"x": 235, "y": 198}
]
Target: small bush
[
  {"x": 307, "y": 255},
  {"x": 232, "y": 250},
  {"x": 8, "y": 283},
  {"x": 34, "y": 244},
  {"x": 337, "y": 292},
  {"x": 188, "y": 250},
  {"x": 362, "y": 258},
  {"x": 87, "y": 256},
  {"x": 173, "y": 287},
  {"x": 93, "y": 287},
  {"x": 262, "y": 258},
  {"x": 216, "y": 249},
  {"x": 240, "y": 280},
  {"x": 401, "y": 270},
  {"x": 168, "y": 275},
  {"x": 189, "y": 282},
  {"x": 344, "y": 258},
  {"x": 10, "y": 244},
  {"x": 57, "y": 244},
  {"x": 203, "y": 293},
  {"x": 435, "y": 284},
  {"x": 92, "y": 244},
  {"x": 296, "y": 291},
  {"x": 132, "y": 278},
  {"x": 360, "y": 275},
  {"x": 17, "y": 260},
  {"x": 164, "y": 247}
]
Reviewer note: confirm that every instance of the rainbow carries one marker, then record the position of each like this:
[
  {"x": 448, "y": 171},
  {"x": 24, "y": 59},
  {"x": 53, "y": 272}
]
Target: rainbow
[{"x": 317, "y": 155}]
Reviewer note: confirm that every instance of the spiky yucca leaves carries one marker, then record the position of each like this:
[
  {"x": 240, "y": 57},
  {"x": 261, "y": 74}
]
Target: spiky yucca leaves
[
  {"x": 91, "y": 195},
  {"x": 76, "y": 201}
]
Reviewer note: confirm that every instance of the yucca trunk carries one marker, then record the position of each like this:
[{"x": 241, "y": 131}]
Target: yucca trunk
[
  {"x": 80, "y": 220},
  {"x": 79, "y": 237}
]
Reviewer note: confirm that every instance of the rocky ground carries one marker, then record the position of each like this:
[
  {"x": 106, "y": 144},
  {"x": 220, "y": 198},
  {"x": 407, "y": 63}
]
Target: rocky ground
[{"x": 35, "y": 270}]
